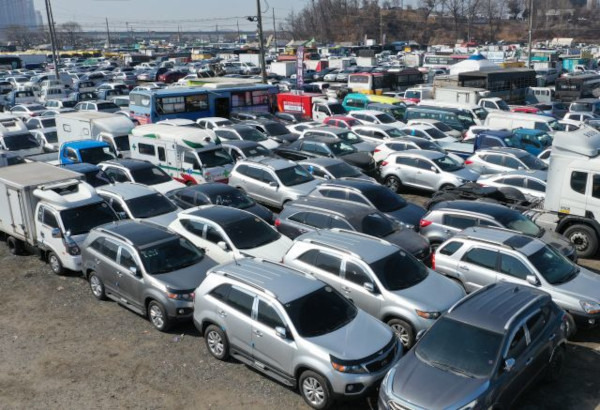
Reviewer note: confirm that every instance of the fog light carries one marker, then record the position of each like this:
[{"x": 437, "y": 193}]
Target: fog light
[
  {"x": 181, "y": 311},
  {"x": 591, "y": 321},
  {"x": 354, "y": 388}
]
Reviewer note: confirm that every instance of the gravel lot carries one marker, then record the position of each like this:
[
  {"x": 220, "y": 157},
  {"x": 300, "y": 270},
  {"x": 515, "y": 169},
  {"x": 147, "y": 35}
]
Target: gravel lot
[{"x": 61, "y": 348}]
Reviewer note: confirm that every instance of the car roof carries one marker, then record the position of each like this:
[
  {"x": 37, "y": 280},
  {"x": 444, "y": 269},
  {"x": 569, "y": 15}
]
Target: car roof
[
  {"x": 127, "y": 190},
  {"x": 497, "y": 133},
  {"x": 282, "y": 282},
  {"x": 529, "y": 131},
  {"x": 322, "y": 161},
  {"x": 273, "y": 163},
  {"x": 237, "y": 127},
  {"x": 503, "y": 238},
  {"x": 81, "y": 167},
  {"x": 371, "y": 112},
  {"x": 366, "y": 247},
  {"x": 240, "y": 144},
  {"x": 360, "y": 184},
  {"x": 505, "y": 150},
  {"x": 139, "y": 233},
  {"x": 330, "y": 129},
  {"x": 496, "y": 306},
  {"x": 327, "y": 139},
  {"x": 221, "y": 215},
  {"x": 350, "y": 210},
  {"x": 487, "y": 208},
  {"x": 384, "y": 127},
  {"x": 129, "y": 163},
  {"x": 534, "y": 173},
  {"x": 207, "y": 188},
  {"x": 424, "y": 153}
]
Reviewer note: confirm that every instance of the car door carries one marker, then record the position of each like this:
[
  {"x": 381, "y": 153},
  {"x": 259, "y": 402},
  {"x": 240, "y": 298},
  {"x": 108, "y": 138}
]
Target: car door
[
  {"x": 106, "y": 265},
  {"x": 535, "y": 188},
  {"x": 512, "y": 269},
  {"x": 511, "y": 383},
  {"x": 47, "y": 222},
  {"x": 427, "y": 174},
  {"x": 267, "y": 347},
  {"x": 253, "y": 183},
  {"x": 407, "y": 170},
  {"x": 129, "y": 278},
  {"x": 271, "y": 188},
  {"x": 454, "y": 223},
  {"x": 207, "y": 238},
  {"x": 236, "y": 313},
  {"x": 477, "y": 267},
  {"x": 356, "y": 275},
  {"x": 324, "y": 265}
]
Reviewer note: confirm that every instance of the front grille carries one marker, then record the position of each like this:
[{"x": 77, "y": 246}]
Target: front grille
[
  {"x": 384, "y": 360},
  {"x": 396, "y": 406}
]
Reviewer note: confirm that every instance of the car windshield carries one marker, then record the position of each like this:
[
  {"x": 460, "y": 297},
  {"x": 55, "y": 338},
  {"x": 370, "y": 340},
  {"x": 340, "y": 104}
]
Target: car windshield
[
  {"x": 412, "y": 94},
  {"x": 257, "y": 151},
  {"x": 69, "y": 104},
  {"x": 553, "y": 266},
  {"x": 581, "y": 107},
  {"x": 385, "y": 118},
  {"x": 341, "y": 148},
  {"x": 442, "y": 126},
  {"x": 150, "y": 175},
  {"x": 343, "y": 170},
  {"x": 107, "y": 106},
  {"x": 392, "y": 278},
  {"x": 397, "y": 113},
  {"x": 377, "y": 225},
  {"x": 51, "y": 137},
  {"x": 122, "y": 142},
  {"x": 232, "y": 198},
  {"x": 295, "y": 175},
  {"x": 533, "y": 162},
  {"x": 20, "y": 141},
  {"x": 466, "y": 118},
  {"x": 503, "y": 105},
  {"x": 544, "y": 139},
  {"x": 516, "y": 221},
  {"x": 556, "y": 126},
  {"x": 95, "y": 155},
  {"x": 48, "y": 122},
  {"x": 349, "y": 137},
  {"x": 460, "y": 348},
  {"x": 82, "y": 219},
  {"x": 337, "y": 109},
  {"x": 276, "y": 129},
  {"x": 436, "y": 134},
  {"x": 384, "y": 199},
  {"x": 215, "y": 158},
  {"x": 250, "y": 232},
  {"x": 252, "y": 135},
  {"x": 169, "y": 255},
  {"x": 150, "y": 205},
  {"x": 395, "y": 132},
  {"x": 307, "y": 312},
  {"x": 97, "y": 178},
  {"x": 481, "y": 113},
  {"x": 447, "y": 164}
]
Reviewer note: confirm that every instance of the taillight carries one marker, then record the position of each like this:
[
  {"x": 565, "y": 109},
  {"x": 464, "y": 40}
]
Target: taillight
[
  {"x": 424, "y": 222},
  {"x": 468, "y": 162},
  {"x": 377, "y": 150},
  {"x": 384, "y": 163},
  {"x": 277, "y": 222},
  {"x": 433, "y": 260}
]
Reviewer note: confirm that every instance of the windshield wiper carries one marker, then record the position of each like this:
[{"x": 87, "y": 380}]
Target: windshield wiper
[{"x": 452, "y": 369}]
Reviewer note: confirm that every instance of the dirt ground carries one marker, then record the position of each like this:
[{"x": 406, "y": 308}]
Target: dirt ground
[{"x": 62, "y": 349}]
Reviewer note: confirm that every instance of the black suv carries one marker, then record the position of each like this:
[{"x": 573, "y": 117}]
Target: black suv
[
  {"x": 272, "y": 129},
  {"x": 481, "y": 354},
  {"x": 310, "y": 214}
]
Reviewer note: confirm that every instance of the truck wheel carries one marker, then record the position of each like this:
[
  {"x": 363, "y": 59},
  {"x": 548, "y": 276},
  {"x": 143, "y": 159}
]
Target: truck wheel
[
  {"x": 15, "y": 247},
  {"x": 584, "y": 238},
  {"x": 55, "y": 264}
]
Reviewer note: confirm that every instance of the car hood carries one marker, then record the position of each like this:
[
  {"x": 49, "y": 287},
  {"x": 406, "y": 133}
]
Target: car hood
[
  {"x": 558, "y": 242},
  {"x": 305, "y": 188},
  {"x": 451, "y": 390},
  {"x": 360, "y": 159},
  {"x": 167, "y": 186},
  {"x": 187, "y": 278},
  {"x": 466, "y": 173},
  {"x": 164, "y": 219},
  {"x": 269, "y": 143},
  {"x": 285, "y": 138},
  {"x": 274, "y": 251},
  {"x": 408, "y": 240},
  {"x": 360, "y": 338},
  {"x": 586, "y": 285},
  {"x": 411, "y": 214},
  {"x": 446, "y": 293},
  {"x": 365, "y": 146}
]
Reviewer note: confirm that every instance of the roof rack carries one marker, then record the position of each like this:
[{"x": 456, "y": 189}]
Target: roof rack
[
  {"x": 469, "y": 297},
  {"x": 362, "y": 235},
  {"x": 112, "y": 233},
  {"x": 523, "y": 308},
  {"x": 330, "y": 246},
  {"x": 488, "y": 241},
  {"x": 247, "y": 282}
]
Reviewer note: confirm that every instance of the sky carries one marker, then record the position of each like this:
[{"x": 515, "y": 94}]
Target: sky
[{"x": 168, "y": 14}]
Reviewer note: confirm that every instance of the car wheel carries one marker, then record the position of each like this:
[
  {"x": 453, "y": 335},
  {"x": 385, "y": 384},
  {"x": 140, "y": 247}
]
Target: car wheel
[
  {"x": 584, "y": 238},
  {"x": 571, "y": 328},
  {"x": 403, "y": 331},
  {"x": 158, "y": 316},
  {"x": 55, "y": 264},
  {"x": 556, "y": 365},
  {"x": 315, "y": 390},
  {"x": 446, "y": 186},
  {"x": 216, "y": 342},
  {"x": 15, "y": 247},
  {"x": 393, "y": 183},
  {"x": 434, "y": 246},
  {"x": 96, "y": 286}
]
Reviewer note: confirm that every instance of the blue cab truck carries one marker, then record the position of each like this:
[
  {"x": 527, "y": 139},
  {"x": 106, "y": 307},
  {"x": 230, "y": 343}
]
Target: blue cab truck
[{"x": 73, "y": 152}]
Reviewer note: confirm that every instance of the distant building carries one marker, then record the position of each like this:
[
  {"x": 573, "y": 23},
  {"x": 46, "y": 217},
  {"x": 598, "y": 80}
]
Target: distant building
[
  {"x": 39, "y": 21},
  {"x": 17, "y": 12}
]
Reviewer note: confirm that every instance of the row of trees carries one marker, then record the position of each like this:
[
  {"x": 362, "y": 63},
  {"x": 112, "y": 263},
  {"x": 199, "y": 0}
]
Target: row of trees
[{"x": 68, "y": 34}]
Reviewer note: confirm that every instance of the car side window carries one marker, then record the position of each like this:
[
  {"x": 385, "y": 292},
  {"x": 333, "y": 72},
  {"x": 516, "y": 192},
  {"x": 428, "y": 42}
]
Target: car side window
[
  {"x": 483, "y": 222},
  {"x": 267, "y": 177},
  {"x": 213, "y": 235},
  {"x": 298, "y": 217},
  {"x": 451, "y": 248},
  {"x": 511, "y": 266},
  {"x": 422, "y": 164},
  {"x": 162, "y": 156},
  {"x": 512, "y": 163},
  {"x": 193, "y": 227},
  {"x": 596, "y": 186},
  {"x": 221, "y": 292},
  {"x": 538, "y": 186},
  {"x": 356, "y": 274},
  {"x": 459, "y": 222},
  {"x": 333, "y": 193},
  {"x": 254, "y": 173},
  {"x": 316, "y": 220},
  {"x": 240, "y": 300},
  {"x": 339, "y": 223},
  {"x": 517, "y": 344},
  {"x": 115, "y": 204},
  {"x": 411, "y": 162},
  {"x": 126, "y": 260},
  {"x": 268, "y": 316},
  {"x": 579, "y": 181},
  {"x": 514, "y": 181},
  {"x": 72, "y": 155},
  {"x": 493, "y": 159},
  {"x": 116, "y": 174},
  {"x": 482, "y": 257},
  {"x": 49, "y": 219},
  {"x": 309, "y": 256},
  {"x": 357, "y": 198},
  {"x": 110, "y": 249},
  {"x": 328, "y": 263}
]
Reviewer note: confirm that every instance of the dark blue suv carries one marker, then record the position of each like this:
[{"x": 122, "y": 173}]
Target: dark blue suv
[{"x": 482, "y": 354}]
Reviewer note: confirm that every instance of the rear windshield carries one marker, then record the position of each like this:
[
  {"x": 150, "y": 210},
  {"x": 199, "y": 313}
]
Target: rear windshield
[
  {"x": 20, "y": 141},
  {"x": 214, "y": 158},
  {"x": 392, "y": 278},
  {"x": 384, "y": 199},
  {"x": 151, "y": 205},
  {"x": 150, "y": 175},
  {"x": 250, "y": 232},
  {"x": 82, "y": 219}
]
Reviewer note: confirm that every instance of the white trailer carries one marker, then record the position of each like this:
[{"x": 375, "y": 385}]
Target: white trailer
[{"x": 283, "y": 68}]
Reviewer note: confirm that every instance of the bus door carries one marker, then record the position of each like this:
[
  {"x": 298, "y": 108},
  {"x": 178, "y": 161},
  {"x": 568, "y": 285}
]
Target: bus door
[{"x": 222, "y": 108}]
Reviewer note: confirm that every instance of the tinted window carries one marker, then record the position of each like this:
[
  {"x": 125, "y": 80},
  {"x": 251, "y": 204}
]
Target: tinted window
[
  {"x": 309, "y": 257},
  {"x": 339, "y": 223},
  {"x": 517, "y": 344},
  {"x": 536, "y": 323},
  {"x": 377, "y": 225},
  {"x": 240, "y": 301},
  {"x": 333, "y": 193},
  {"x": 459, "y": 222},
  {"x": 254, "y": 173},
  {"x": 249, "y": 232},
  {"x": 328, "y": 263},
  {"x": 213, "y": 235},
  {"x": 392, "y": 278},
  {"x": 151, "y": 175},
  {"x": 268, "y": 316},
  {"x": 513, "y": 267},
  {"x": 578, "y": 181},
  {"x": 316, "y": 220},
  {"x": 146, "y": 149},
  {"x": 192, "y": 226},
  {"x": 451, "y": 248},
  {"x": 493, "y": 159},
  {"x": 481, "y": 257},
  {"x": 221, "y": 292},
  {"x": 384, "y": 199},
  {"x": 512, "y": 163},
  {"x": 110, "y": 250},
  {"x": 150, "y": 205},
  {"x": 126, "y": 260},
  {"x": 50, "y": 219},
  {"x": 538, "y": 186},
  {"x": 356, "y": 274},
  {"x": 517, "y": 182}
]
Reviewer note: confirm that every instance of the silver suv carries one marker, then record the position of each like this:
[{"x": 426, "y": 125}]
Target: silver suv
[
  {"x": 367, "y": 271},
  {"x": 503, "y": 159},
  {"x": 294, "y": 328},
  {"x": 272, "y": 181},
  {"x": 431, "y": 170},
  {"x": 479, "y": 256}
]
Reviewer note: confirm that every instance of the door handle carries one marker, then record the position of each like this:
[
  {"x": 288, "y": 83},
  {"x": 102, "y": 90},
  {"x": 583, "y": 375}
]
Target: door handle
[
  {"x": 97, "y": 261},
  {"x": 345, "y": 288},
  {"x": 119, "y": 274},
  {"x": 258, "y": 333},
  {"x": 528, "y": 362},
  {"x": 222, "y": 313},
  {"x": 42, "y": 234},
  {"x": 464, "y": 267}
]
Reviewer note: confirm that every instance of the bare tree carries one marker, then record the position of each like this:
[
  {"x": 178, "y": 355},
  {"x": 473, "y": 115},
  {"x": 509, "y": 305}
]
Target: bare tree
[
  {"x": 19, "y": 35},
  {"x": 493, "y": 10},
  {"x": 427, "y": 7},
  {"x": 472, "y": 7},
  {"x": 455, "y": 9},
  {"x": 69, "y": 34}
]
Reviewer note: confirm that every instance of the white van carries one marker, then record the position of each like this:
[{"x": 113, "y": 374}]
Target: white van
[
  {"x": 53, "y": 93},
  {"x": 478, "y": 113},
  {"x": 511, "y": 120}
]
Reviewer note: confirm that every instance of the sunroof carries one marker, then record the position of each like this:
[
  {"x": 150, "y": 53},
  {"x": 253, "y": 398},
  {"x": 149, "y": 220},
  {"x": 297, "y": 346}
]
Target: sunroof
[{"x": 518, "y": 241}]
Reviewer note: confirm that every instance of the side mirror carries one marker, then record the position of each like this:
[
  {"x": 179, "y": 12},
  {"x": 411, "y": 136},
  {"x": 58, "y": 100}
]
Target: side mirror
[
  {"x": 281, "y": 332},
  {"x": 133, "y": 270},
  {"x": 56, "y": 233},
  {"x": 520, "y": 168},
  {"x": 122, "y": 215},
  {"x": 273, "y": 184},
  {"x": 420, "y": 334},
  {"x": 369, "y": 286},
  {"x": 509, "y": 364},
  {"x": 532, "y": 280},
  {"x": 223, "y": 245},
  {"x": 433, "y": 169},
  {"x": 326, "y": 176}
]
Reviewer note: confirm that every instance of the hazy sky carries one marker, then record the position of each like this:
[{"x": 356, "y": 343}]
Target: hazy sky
[{"x": 168, "y": 14}]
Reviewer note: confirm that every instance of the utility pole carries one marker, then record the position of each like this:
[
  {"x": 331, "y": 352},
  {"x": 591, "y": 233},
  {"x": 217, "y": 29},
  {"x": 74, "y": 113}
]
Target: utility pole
[
  {"x": 239, "y": 35},
  {"x": 107, "y": 33},
  {"x": 274, "y": 31},
  {"x": 380, "y": 27},
  {"x": 52, "y": 37},
  {"x": 530, "y": 32},
  {"x": 261, "y": 42}
]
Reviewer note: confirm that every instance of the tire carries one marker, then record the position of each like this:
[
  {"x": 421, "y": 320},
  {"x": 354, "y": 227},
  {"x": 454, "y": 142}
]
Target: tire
[
  {"x": 158, "y": 316},
  {"x": 571, "y": 326},
  {"x": 15, "y": 247},
  {"x": 556, "y": 365},
  {"x": 584, "y": 238},
  {"x": 403, "y": 331},
  {"x": 315, "y": 390},
  {"x": 55, "y": 264},
  {"x": 393, "y": 183},
  {"x": 96, "y": 286},
  {"x": 447, "y": 186},
  {"x": 216, "y": 342},
  {"x": 434, "y": 246}
]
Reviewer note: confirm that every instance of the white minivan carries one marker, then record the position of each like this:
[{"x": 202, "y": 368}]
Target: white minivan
[{"x": 502, "y": 120}]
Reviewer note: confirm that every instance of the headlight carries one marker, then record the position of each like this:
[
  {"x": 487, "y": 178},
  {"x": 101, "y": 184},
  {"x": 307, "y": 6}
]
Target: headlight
[
  {"x": 181, "y": 296},
  {"x": 469, "y": 406},
  {"x": 340, "y": 366},
  {"x": 590, "y": 307},
  {"x": 388, "y": 382},
  {"x": 428, "y": 315}
]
